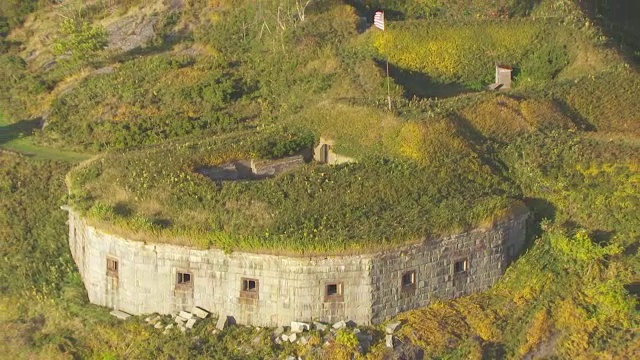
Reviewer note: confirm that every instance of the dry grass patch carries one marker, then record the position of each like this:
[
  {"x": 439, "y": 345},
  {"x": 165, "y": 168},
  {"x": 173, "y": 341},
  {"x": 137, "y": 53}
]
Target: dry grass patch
[{"x": 503, "y": 117}]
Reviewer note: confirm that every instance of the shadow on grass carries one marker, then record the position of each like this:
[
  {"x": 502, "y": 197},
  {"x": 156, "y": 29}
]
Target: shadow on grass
[
  {"x": 18, "y": 130},
  {"x": 18, "y": 138},
  {"x": 619, "y": 21},
  {"x": 540, "y": 209},
  {"x": 482, "y": 146},
  {"x": 578, "y": 120},
  {"x": 420, "y": 85}
]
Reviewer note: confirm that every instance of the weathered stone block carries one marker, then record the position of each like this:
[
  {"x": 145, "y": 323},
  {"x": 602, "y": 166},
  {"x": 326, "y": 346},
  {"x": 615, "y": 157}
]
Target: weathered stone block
[{"x": 221, "y": 323}]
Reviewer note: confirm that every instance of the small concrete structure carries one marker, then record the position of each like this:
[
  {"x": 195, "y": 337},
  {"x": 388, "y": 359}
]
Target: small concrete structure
[
  {"x": 253, "y": 169},
  {"x": 323, "y": 153},
  {"x": 503, "y": 78}
]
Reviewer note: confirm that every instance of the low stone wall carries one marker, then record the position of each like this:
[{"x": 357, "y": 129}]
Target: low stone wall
[
  {"x": 267, "y": 168},
  {"x": 268, "y": 290}
]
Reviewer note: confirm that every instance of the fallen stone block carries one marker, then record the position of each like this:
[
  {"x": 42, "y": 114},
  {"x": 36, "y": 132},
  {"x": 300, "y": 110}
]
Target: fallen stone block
[
  {"x": 120, "y": 314},
  {"x": 304, "y": 340},
  {"x": 284, "y": 337},
  {"x": 278, "y": 341},
  {"x": 298, "y": 327},
  {"x": 320, "y": 326},
  {"x": 339, "y": 325},
  {"x": 170, "y": 326},
  {"x": 190, "y": 323},
  {"x": 158, "y": 325},
  {"x": 392, "y": 327},
  {"x": 200, "y": 312},
  {"x": 293, "y": 337},
  {"x": 389, "y": 340},
  {"x": 222, "y": 322},
  {"x": 185, "y": 315},
  {"x": 180, "y": 320},
  {"x": 277, "y": 332}
]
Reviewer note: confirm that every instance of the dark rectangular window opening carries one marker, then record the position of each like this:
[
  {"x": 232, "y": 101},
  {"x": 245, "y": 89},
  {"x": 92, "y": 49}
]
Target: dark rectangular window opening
[
  {"x": 250, "y": 288},
  {"x": 461, "y": 266},
  {"x": 333, "y": 292},
  {"x": 249, "y": 285},
  {"x": 184, "y": 279},
  {"x": 112, "y": 267},
  {"x": 409, "y": 279}
]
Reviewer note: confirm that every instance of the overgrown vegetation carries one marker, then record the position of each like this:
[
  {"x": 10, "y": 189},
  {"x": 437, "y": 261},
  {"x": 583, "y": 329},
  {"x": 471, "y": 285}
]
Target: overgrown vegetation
[
  {"x": 564, "y": 298},
  {"x": 145, "y": 101},
  {"x": 80, "y": 39},
  {"x": 230, "y": 80},
  {"x": 376, "y": 202}
]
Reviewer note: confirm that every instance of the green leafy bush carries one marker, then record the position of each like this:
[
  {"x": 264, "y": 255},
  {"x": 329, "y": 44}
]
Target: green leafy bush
[{"x": 80, "y": 38}]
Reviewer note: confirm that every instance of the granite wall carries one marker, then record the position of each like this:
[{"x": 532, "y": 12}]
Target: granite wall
[{"x": 269, "y": 290}]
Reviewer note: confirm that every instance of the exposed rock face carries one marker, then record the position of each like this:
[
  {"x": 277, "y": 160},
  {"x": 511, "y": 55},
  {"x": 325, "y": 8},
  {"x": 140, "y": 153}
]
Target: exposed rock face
[
  {"x": 269, "y": 290},
  {"x": 131, "y": 32}
]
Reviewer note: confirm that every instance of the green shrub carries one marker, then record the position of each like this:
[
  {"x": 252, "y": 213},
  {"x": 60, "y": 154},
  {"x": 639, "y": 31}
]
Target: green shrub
[
  {"x": 80, "y": 38},
  {"x": 145, "y": 101},
  {"x": 102, "y": 211},
  {"x": 279, "y": 142},
  {"x": 18, "y": 88}
]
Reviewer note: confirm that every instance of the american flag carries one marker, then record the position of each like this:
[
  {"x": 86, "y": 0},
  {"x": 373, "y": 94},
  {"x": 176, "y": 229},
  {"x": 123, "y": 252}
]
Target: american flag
[{"x": 378, "y": 20}]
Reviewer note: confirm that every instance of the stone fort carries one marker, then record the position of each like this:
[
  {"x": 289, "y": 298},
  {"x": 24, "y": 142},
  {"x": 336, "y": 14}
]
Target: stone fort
[{"x": 269, "y": 290}]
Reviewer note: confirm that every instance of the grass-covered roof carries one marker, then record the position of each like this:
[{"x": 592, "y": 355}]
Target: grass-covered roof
[{"x": 157, "y": 195}]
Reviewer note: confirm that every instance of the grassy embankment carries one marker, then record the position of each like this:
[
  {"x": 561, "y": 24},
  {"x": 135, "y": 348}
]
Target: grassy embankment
[{"x": 565, "y": 297}]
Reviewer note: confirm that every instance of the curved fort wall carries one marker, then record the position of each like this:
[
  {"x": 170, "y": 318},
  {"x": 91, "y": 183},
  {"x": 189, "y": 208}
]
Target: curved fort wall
[{"x": 269, "y": 290}]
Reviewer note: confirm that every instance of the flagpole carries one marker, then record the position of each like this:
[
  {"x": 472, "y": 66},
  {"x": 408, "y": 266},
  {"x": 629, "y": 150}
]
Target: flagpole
[
  {"x": 378, "y": 21},
  {"x": 388, "y": 86}
]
